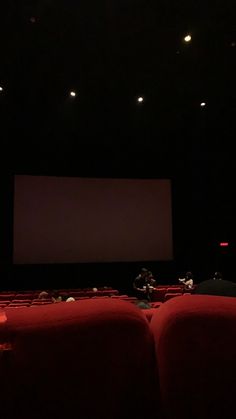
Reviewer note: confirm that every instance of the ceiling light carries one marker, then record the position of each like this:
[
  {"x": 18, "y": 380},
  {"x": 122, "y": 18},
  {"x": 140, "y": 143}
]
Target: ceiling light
[
  {"x": 187, "y": 38},
  {"x": 140, "y": 99},
  {"x": 72, "y": 93},
  {"x": 1, "y": 88},
  {"x": 202, "y": 104}
]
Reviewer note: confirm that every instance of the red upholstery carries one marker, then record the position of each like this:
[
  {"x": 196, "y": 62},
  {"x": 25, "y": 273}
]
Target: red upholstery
[
  {"x": 195, "y": 340},
  {"x": 43, "y": 300},
  {"x": 156, "y": 304},
  {"x": 130, "y": 299},
  {"x": 81, "y": 298},
  {"x": 158, "y": 294},
  {"x": 18, "y": 301},
  {"x": 90, "y": 359},
  {"x": 77, "y": 294},
  {"x": 170, "y": 295},
  {"x": 6, "y": 296},
  {"x": 109, "y": 292},
  {"x": 24, "y": 296},
  {"x": 148, "y": 312},
  {"x": 3, "y": 319},
  {"x": 175, "y": 289}
]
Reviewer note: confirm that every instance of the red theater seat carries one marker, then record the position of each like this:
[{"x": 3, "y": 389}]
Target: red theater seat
[
  {"x": 7, "y": 296},
  {"x": 175, "y": 289},
  {"x": 24, "y": 296},
  {"x": 43, "y": 300},
  {"x": 91, "y": 359},
  {"x": 109, "y": 292},
  {"x": 23, "y": 301},
  {"x": 149, "y": 312},
  {"x": 195, "y": 339},
  {"x": 78, "y": 294},
  {"x": 170, "y": 295},
  {"x": 158, "y": 294},
  {"x": 130, "y": 299},
  {"x": 156, "y": 304},
  {"x": 41, "y": 303},
  {"x": 81, "y": 298}
]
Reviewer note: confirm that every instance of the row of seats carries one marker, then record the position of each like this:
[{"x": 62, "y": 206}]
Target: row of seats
[
  {"x": 30, "y": 298},
  {"x": 39, "y": 302},
  {"x": 77, "y": 292},
  {"x": 159, "y": 290},
  {"x": 163, "y": 293},
  {"x": 102, "y": 358}
]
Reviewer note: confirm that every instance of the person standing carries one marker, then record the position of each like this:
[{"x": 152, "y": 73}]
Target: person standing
[{"x": 143, "y": 284}]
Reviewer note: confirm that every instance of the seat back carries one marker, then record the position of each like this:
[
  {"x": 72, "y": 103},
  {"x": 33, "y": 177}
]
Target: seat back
[
  {"x": 195, "y": 340},
  {"x": 170, "y": 295},
  {"x": 90, "y": 359}
]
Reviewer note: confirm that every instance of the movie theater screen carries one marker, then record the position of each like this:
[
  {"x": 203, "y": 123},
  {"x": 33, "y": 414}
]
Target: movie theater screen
[{"x": 74, "y": 220}]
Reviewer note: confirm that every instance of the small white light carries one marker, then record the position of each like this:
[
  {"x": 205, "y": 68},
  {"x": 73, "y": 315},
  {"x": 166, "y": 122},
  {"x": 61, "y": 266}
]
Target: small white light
[
  {"x": 1, "y": 89},
  {"x": 202, "y": 104},
  {"x": 73, "y": 94},
  {"x": 140, "y": 99},
  {"x": 187, "y": 38}
]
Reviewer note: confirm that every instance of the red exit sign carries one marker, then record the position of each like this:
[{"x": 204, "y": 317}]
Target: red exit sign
[{"x": 224, "y": 244}]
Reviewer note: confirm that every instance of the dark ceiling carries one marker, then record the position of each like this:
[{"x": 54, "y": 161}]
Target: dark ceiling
[{"x": 110, "y": 53}]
